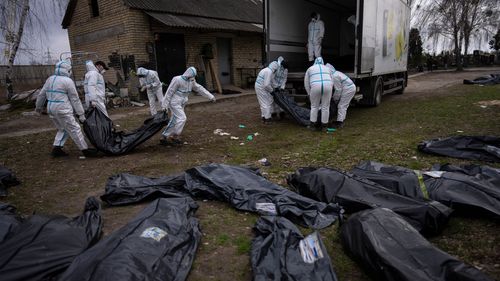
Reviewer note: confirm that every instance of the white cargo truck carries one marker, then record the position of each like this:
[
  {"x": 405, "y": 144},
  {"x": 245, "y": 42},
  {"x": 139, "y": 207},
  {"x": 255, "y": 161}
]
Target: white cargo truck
[{"x": 371, "y": 48}]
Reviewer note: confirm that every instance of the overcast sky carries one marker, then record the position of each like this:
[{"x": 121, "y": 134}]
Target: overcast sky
[{"x": 43, "y": 32}]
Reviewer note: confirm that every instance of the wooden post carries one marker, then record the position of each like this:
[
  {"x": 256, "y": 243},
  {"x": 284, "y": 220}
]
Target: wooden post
[{"x": 214, "y": 76}]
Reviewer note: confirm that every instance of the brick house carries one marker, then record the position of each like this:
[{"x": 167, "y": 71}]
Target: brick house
[{"x": 169, "y": 35}]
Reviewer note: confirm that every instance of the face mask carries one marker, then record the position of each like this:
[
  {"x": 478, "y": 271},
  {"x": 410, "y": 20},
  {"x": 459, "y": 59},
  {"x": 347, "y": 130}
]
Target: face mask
[
  {"x": 69, "y": 72},
  {"x": 103, "y": 71}
]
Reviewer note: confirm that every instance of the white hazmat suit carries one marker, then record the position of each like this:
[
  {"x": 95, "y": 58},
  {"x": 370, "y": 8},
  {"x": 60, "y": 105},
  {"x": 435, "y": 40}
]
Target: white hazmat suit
[
  {"x": 344, "y": 92},
  {"x": 318, "y": 84},
  {"x": 176, "y": 99},
  {"x": 264, "y": 88},
  {"x": 94, "y": 88},
  {"x": 279, "y": 82},
  {"x": 151, "y": 82},
  {"x": 60, "y": 92},
  {"x": 316, "y": 31}
]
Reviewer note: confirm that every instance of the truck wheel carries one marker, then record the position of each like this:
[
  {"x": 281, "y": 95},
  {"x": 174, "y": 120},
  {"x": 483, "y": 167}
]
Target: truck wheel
[{"x": 375, "y": 95}]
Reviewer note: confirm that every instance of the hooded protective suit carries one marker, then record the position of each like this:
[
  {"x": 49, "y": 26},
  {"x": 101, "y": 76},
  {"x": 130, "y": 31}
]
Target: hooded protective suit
[
  {"x": 316, "y": 31},
  {"x": 280, "y": 77},
  {"x": 60, "y": 92},
  {"x": 318, "y": 84},
  {"x": 94, "y": 88},
  {"x": 264, "y": 88},
  {"x": 153, "y": 86},
  {"x": 176, "y": 99},
  {"x": 279, "y": 82},
  {"x": 344, "y": 92}
]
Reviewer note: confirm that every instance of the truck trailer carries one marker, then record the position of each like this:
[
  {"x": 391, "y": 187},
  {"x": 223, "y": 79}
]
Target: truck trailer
[{"x": 365, "y": 39}]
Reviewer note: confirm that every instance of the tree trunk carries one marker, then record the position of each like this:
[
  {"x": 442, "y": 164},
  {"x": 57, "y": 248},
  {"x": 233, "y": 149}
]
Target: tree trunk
[
  {"x": 15, "y": 46},
  {"x": 458, "y": 59}
]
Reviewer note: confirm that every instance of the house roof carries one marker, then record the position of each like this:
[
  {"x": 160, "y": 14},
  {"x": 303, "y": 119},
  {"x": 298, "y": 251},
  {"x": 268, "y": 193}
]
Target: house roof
[
  {"x": 204, "y": 23},
  {"x": 236, "y": 10},
  {"x": 246, "y": 11}
]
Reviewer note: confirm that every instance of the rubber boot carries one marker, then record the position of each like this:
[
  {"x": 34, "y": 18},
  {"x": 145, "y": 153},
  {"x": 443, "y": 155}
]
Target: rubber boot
[
  {"x": 58, "y": 152},
  {"x": 313, "y": 126},
  {"x": 268, "y": 121},
  {"x": 338, "y": 124},
  {"x": 89, "y": 152},
  {"x": 324, "y": 127},
  {"x": 166, "y": 141}
]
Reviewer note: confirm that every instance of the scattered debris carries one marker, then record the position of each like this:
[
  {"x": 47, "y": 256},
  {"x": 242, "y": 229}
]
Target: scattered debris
[
  {"x": 241, "y": 126},
  {"x": 250, "y": 137},
  {"x": 256, "y": 134},
  {"x": 264, "y": 162},
  {"x": 234, "y": 138},
  {"x": 30, "y": 113},
  {"x": 242, "y": 143},
  {"x": 330, "y": 130},
  {"x": 460, "y": 131},
  {"x": 140, "y": 104},
  {"x": 26, "y": 96},
  {"x": 5, "y": 107},
  {"x": 221, "y": 132},
  {"x": 486, "y": 103}
]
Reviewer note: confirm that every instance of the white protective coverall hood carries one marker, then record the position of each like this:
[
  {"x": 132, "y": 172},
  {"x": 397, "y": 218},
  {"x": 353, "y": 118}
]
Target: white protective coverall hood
[
  {"x": 344, "y": 92},
  {"x": 318, "y": 84},
  {"x": 316, "y": 31},
  {"x": 280, "y": 76},
  {"x": 94, "y": 88},
  {"x": 264, "y": 88},
  {"x": 176, "y": 99},
  {"x": 62, "y": 98},
  {"x": 151, "y": 82}
]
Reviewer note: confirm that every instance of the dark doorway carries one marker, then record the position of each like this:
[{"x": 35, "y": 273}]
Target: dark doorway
[
  {"x": 170, "y": 56},
  {"x": 224, "y": 60}
]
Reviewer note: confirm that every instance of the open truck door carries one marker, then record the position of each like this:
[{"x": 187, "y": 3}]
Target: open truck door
[{"x": 372, "y": 50}]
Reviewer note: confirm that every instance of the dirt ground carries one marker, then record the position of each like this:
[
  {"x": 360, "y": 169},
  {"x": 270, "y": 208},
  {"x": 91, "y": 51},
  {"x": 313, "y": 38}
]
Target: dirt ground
[{"x": 60, "y": 186}]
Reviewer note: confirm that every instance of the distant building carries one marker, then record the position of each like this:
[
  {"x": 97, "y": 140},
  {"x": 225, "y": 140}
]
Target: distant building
[{"x": 169, "y": 35}]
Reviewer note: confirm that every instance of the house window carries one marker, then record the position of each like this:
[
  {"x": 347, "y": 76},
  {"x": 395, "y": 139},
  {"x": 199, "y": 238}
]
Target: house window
[{"x": 94, "y": 8}]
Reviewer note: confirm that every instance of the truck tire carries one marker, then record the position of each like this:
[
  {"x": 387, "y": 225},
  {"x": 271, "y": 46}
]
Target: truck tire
[{"x": 373, "y": 95}]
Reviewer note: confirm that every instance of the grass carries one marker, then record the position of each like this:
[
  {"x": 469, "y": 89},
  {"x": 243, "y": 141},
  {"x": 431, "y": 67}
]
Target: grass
[{"x": 388, "y": 133}]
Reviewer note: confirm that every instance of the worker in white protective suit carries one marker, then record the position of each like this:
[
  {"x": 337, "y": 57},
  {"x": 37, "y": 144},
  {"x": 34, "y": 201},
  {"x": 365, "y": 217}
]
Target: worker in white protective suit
[
  {"x": 63, "y": 101},
  {"x": 149, "y": 81},
  {"x": 176, "y": 99},
  {"x": 316, "y": 31},
  {"x": 263, "y": 90},
  {"x": 279, "y": 83},
  {"x": 95, "y": 93},
  {"x": 344, "y": 92},
  {"x": 318, "y": 84}
]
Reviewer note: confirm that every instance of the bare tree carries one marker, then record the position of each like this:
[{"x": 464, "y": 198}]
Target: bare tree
[
  {"x": 15, "y": 38},
  {"x": 444, "y": 18},
  {"x": 18, "y": 16},
  {"x": 478, "y": 17}
]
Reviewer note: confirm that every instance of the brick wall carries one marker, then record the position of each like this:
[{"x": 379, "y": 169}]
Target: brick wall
[
  {"x": 129, "y": 33},
  {"x": 247, "y": 53}
]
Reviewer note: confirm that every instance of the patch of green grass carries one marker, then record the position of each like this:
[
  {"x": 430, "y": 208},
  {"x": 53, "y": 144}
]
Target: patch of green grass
[
  {"x": 222, "y": 239},
  {"x": 243, "y": 245}
]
